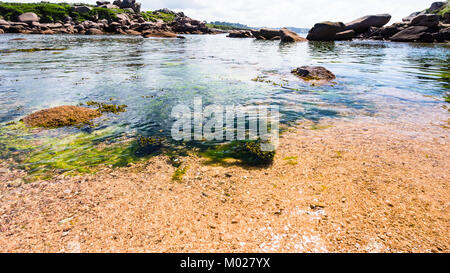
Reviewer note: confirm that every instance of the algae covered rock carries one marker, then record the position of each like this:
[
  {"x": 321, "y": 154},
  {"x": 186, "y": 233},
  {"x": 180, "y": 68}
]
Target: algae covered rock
[
  {"x": 61, "y": 116},
  {"x": 314, "y": 73}
]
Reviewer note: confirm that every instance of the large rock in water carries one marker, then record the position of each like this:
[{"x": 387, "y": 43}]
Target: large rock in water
[
  {"x": 345, "y": 35},
  {"x": 314, "y": 74},
  {"x": 266, "y": 34},
  {"x": 288, "y": 36},
  {"x": 364, "y": 23},
  {"x": 325, "y": 31},
  {"x": 161, "y": 34},
  {"x": 413, "y": 34},
  {"x": 240, "y": 34},
  {"x": 61, "y": 116},
  {"x": 28, "y": 17},
  {"x": 428, "y": 20},
  {"x": 94, "y": 31}
]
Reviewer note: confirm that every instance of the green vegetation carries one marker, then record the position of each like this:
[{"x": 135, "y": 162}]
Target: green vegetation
[
  {"x": 247, "y": 152},
  {"x": 220, "y": 27},
  {"x": 227, "y": 26},
  {"x": 51, "y": 12},
  {"x": 150, "y": 16},
  {"x": 30, "y": 50},
  {"x": 444, "y": 10},
  {"x": 150, "y": 145},
  {"x": 292, "y": 160},
  {"x": 107, "y": 108},
  {"x": 43, "y": 157},
  {"x": 179, "y": 173},
  {"x": 319, "y": 127}
]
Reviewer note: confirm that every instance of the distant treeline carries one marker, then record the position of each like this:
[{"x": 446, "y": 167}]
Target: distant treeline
[
  {"x": 228, "y": 26},
  {"x": 231, "y": 26}
]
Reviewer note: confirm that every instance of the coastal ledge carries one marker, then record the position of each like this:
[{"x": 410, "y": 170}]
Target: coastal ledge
[
  {"x": 430, "y": 25},
  {"x": 121, "y": 17}
]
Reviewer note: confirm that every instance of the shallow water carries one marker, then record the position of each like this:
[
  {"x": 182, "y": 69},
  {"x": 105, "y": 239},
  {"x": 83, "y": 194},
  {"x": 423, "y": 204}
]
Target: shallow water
[{"x": 153, "y": 75}]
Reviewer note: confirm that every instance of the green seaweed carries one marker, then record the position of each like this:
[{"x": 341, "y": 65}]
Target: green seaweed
[
  {"x": 154, "y": 16},
  {"x": 29, "y": 50},
  {"x": 179, "y": 173},
  {"x": 107, "y": 108},
  {"x": 291, "y": 160},
  {"x": 44, "y": 156},
  {"x": 247, "y": 152}
]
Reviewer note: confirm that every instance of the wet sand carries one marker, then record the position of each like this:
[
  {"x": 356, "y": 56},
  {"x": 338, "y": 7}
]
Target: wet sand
[{"x": 366, "y": 184}]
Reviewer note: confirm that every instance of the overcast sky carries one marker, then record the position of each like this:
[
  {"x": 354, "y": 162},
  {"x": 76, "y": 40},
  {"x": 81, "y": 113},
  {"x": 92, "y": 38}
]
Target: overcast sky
[{"x": 279, "y": 13}]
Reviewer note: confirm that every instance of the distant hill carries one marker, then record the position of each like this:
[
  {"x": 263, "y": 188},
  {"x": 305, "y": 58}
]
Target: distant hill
[{"x": 298, "y": 30}]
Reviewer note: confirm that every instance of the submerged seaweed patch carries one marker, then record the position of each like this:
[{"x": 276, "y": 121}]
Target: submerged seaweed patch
[
  {"x": 107, "y": 108},
  {"x": 31, "y": 50},
  {"x": 247, "y": 152},
  {"x": 42, "y": 157},
  {"x": 179, "y": 173}
]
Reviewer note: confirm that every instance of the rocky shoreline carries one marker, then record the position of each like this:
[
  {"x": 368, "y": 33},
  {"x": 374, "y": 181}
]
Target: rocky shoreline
[
  {"x": 125, "y": 17},
  {"x": 430, "y": 25},
  {"x": 121, "y": 17}
]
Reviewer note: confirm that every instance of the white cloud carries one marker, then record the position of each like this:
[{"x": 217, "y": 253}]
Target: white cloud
[{"x": 297, "y": 13}]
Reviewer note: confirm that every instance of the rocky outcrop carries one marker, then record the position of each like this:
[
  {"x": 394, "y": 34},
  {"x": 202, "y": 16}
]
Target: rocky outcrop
[
  {"x": 436, "y": 6},
  {"x": 81, "y": 9},
  {"x": 94, "y": 31},
  {"x": 288, "y": 36},
  {"x": 424, "y": 26},
  {"x": 132, "y": 23},
  {"x": 345, "y": 35},
  {"x": 128, "y": 4},
  {"x": 161, "y": 34},
  {"x": 427, "y": 20},
  {"x": 61, "y": 116},
  {"x": 413, "y": 34},
  {"x": 412, "y": 15},
  {"x": 240, "y": 34},
  {"x": 186, "y": 25},
  {"x": 314, "y": 74},
  {"x": 362, "y": 24},
  {"x": 28, "y": 17},
  {"x": 266, "y": 34},
  {"x": 325, "y": 31}
]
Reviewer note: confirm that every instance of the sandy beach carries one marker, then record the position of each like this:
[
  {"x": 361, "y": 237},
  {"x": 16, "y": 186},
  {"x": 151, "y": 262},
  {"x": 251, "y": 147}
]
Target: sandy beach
[{"x": 349, "y": 185}]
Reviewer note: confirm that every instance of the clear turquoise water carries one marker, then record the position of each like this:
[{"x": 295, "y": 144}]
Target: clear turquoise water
[{"x": 153, "y": 75}]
